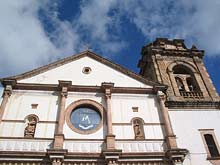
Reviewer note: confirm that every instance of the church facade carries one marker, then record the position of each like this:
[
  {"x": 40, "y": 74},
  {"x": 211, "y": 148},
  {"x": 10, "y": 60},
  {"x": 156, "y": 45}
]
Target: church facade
[{"x": 86, "y": 110}]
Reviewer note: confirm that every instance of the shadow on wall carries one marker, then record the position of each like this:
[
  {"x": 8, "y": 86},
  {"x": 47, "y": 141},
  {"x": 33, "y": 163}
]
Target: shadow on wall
[{"x": 1, "y": 90}]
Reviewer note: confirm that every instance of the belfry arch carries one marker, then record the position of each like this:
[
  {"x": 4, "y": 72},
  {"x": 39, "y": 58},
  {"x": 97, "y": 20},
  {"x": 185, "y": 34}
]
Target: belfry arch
[{"x": 184, "y": 79}]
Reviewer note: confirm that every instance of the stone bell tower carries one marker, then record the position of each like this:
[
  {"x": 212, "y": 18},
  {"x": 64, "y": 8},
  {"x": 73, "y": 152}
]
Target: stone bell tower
[{"x": 170, "y": 62}]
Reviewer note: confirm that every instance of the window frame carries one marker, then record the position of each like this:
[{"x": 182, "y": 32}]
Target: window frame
[
  {"x": 79, "y": 103},
  {"x": 204, "y": 132}
]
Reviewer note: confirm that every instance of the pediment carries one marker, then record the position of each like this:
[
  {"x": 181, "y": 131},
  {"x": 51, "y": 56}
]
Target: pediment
[{"x": 74, "y": 68}]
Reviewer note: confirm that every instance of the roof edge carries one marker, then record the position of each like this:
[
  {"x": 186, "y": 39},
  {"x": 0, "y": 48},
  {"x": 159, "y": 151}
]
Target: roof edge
[{"x": 92, "y": 55}]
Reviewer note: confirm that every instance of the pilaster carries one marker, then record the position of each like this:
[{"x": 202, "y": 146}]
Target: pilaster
[
  {"x": 110, "y": 138},
  {"x": 59, "y": 136},
  {"x": 6, "y": 94},
  {"x": 111, "y": 154},
  {"x": 175, "y": 155},
  {"x": 170, "y": 137},
  {"x": 173, "y": 86}
]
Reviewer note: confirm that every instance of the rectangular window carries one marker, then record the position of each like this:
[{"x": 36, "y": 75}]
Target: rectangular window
[
  {"x": 135, "y": 109},
  {"x": 210, "y": 142},
  {"x": 34, "y": 106}
]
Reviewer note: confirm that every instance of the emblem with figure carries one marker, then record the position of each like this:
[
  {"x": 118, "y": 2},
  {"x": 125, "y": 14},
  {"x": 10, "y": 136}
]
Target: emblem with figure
[{"x": 85, "y": 118}]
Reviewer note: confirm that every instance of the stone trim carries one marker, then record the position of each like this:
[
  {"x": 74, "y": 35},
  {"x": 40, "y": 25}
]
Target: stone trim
[
  {"x": 193, "y": 104},
  {"x": 107, "y": 87},
  {"x": 179, "y": 62},
  {"x": 22, "y": 121},
  {"x": 121, "y": 124},
  {"x": 6, "y": 94},
  {"x": 59, "y": 136},
  {"x": 170, "y": 137},
  {"x": 135, "y": 140},
  {"x": 110, "y": 138},
  {"x": 211, "y": 132},
  {"x": 31, "y": 115},
  {"x": 84, "y": 140},
  {"x": 80, "y": 88},
  {"x": 35, "y": 138},
  {"x": 177, "y": 155},
  {"x": 205, "y": 78},
  {"x": 78, "y": 56},
  {"x": 75, "y": 104}
]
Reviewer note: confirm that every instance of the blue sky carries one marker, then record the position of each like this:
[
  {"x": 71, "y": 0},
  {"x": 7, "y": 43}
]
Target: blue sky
[{"x": 36, "y": 32}]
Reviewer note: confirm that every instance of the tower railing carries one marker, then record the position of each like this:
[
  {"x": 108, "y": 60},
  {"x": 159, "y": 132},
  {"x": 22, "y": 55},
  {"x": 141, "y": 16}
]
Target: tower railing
[{"x": 192, "y": 94}]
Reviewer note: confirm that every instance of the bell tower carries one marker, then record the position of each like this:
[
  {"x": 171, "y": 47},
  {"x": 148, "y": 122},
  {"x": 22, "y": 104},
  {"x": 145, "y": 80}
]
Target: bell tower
[{"x": 171, "y": 63}]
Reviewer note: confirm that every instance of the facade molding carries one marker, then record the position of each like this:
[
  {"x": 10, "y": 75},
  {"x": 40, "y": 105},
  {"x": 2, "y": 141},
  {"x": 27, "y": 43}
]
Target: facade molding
[{"x": 78, "y": 56}]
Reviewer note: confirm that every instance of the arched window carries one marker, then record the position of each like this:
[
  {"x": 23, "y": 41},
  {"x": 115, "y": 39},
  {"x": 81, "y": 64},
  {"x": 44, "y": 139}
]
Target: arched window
[
  {"x": 138, "y": 128},
  {"x": 185, "y": 79},
  {"x": 213, "y": 150},
  {"x": 31, "y": 121}
]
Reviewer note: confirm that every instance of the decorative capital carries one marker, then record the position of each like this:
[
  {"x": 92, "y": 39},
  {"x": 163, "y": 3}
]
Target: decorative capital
[
  {"x": 112, "y": 156},
  {"x": 107, "y": 87},
  {"x": 177, "y": 155},
  {"x": 56, "y": 155},
  {"x": 8, "y": 91},
  {"x": 64, "y": 85},
  {"x": 10, "y": 82},
  {"x": 64, "y": 92},
  {"x": 161, "y": 95}
]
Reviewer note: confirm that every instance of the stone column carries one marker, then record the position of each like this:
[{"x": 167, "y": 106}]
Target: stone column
[
  {"x": 110, "y": 138},
  {"x": 185, "y": 84},
  {"x": 175, "y": 154},
  {"x": 59, "y": 136},
  {"x": 6, "y": 94},
  {"x": 170, "y": 137},
  {"x": 173, "y": 84}
]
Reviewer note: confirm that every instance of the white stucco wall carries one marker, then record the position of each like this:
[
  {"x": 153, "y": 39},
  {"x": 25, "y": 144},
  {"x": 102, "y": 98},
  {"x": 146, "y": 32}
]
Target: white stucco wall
[
  {"x": 73, "y": 72},
  {"x": 186, "y": 125},
  {"x": 147, "y": 110},
  {"x": 19, "y": 106},
  {"x": 121, "y": 106}
]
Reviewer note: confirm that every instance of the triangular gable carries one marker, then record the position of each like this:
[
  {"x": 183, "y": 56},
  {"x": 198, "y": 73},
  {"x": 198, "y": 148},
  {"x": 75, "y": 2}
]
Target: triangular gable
[{"x": 70, "y": 69}]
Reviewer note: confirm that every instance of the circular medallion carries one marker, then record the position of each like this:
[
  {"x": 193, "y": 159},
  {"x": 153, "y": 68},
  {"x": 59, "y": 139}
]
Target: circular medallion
[{"x": 85, "y": 118}]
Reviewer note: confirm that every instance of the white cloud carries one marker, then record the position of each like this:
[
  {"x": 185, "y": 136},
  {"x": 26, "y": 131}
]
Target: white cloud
[
  {"x": 98, "y": 26},
  {"x": 24, "y": 44},
  {"x": 197, "y": 21},
  {"x": 204, "y": 25}
]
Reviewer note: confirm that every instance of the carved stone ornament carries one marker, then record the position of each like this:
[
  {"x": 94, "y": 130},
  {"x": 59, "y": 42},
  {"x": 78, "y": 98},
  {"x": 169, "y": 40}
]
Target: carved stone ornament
[
  {"x": 30, "y": 128},
  {"x": 138, "y": 130}
]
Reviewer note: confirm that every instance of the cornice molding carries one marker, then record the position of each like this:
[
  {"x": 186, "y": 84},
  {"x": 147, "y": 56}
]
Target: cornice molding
[
  {"x": 81, "y": 88},
  {"x": 78, "y": 56},
  {"x": 193, "y": 105}
]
